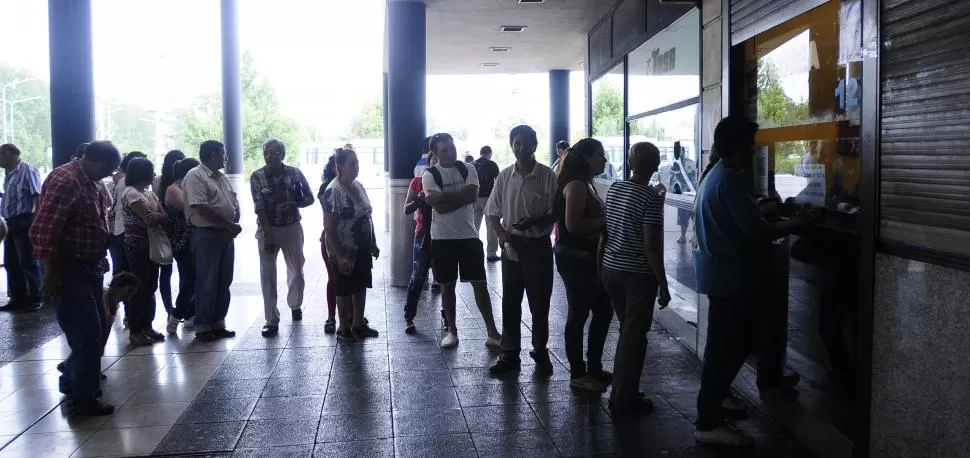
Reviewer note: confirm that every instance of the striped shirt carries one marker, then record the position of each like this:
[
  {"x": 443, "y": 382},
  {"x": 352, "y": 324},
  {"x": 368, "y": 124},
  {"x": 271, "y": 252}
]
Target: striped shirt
[
  {"x": 630, "y": 206},
  {"x": 21, "y": 187}
]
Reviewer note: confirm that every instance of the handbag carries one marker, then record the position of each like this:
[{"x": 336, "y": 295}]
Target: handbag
[{"x": 159, "y": 246}]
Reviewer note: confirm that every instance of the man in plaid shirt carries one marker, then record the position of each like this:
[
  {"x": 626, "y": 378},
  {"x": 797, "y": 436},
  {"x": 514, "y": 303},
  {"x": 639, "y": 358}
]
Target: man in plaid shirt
[
  {"x": 70, "y": 238},
  {"x": 279, "y": 192}
]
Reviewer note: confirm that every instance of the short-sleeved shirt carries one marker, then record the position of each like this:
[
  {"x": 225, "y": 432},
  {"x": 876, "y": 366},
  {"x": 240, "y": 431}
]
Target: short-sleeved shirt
[
  {"x": 419, "y": 213},
  {"x": 517, "y": 196},
  {"x": 354, "y": 230},
  {"x": 727, "y": 260},
  {"x": 135, "y": 225},
  {"x": 459, "y": 224},
  {"x": 488, "y": 172},
  {"x": 204, "y": 186},
  {"x": 271, "y": 189},
  {"x": 630, "y": 206},
  {"x": 21, "y": 187}
]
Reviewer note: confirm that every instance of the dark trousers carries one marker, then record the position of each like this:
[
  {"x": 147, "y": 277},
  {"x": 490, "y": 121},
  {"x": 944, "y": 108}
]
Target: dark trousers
[
  {"x": 141, "y": 305},
  {"x": 116, "y": 248},
  {"x": 23, "y": 271},
  {"x": 165, "y": 285},
  {"x": 633, "y": 296},
  {"x": 585, "y": 296},
  {"x": 185, "y": 302},
  {"x": 214, "y": 253},
  {"x": 420, "y": 264},
  {"x": 738, "y": 326},
  {"x": 531, "y": 276},
  {"x": 80, "y": 310}
]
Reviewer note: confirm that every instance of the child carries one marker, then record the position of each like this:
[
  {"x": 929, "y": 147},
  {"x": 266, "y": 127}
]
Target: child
[{"x": 121, "y": 288}]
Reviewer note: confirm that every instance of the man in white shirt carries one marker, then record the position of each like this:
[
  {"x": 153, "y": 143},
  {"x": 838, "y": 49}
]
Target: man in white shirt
[
  {"x": 213, "y": 211},
  {"x": 521, "y": 211},
  {"x": 451, "y": 188}
]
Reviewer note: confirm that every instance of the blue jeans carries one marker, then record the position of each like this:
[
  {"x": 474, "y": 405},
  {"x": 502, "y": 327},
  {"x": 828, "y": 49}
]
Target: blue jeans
[
  {"x": 23, "y": 271},
  {"x": 185, "y": 302},
  {"x": 214, "y": 253},
  {"x": 421, "y": 262},
  {"x": 80, "y": 310}
]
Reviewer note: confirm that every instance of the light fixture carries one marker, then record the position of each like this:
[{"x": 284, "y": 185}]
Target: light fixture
[
  {"x": 512, "y": 28},
  {"x": 500, "y": 49},
  {"x": 532, "y": 1},
  {"x": 489, "y": 64}
]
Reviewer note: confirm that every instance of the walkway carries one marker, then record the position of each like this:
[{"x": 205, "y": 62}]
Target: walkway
[{"x": 303, "y": 394}]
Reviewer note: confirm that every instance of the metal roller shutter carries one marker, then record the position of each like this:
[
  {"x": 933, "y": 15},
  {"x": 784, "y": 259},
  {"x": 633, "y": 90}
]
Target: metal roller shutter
[
  {"x": 751, "y": 17},
  {"x": 925, "y": 159}
]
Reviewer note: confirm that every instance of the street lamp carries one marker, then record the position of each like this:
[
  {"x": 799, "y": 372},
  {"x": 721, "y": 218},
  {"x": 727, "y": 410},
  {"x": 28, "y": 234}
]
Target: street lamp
[
  {"x": 12, "y": 105},
  {"x": 3, "y": 101}
]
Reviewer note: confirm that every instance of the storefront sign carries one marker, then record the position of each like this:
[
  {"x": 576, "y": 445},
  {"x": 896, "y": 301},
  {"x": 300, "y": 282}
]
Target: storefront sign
[{"x": 814, "y": 192}]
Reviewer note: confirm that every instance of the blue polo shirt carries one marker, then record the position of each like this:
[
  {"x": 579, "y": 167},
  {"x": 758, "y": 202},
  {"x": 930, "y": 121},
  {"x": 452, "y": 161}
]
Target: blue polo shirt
[{"x": 728, "y": 261}]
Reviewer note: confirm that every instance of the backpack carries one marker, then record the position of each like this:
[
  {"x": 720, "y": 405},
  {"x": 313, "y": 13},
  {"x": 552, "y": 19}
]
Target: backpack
[{"x": 436, "y": 174}]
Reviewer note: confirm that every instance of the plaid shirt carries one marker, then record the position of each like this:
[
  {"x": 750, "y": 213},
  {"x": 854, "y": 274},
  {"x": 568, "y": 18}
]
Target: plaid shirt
[
  {"x": 270, "y": 190},
  {"x": 71, "y": 217},
  {"x": 20, "y": 189}
]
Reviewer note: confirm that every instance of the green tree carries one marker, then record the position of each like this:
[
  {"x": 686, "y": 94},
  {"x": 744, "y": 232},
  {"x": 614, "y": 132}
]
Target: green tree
[
  {"x": 129, "y": 127},
  {"x": 777, "y": 109},
  {"x": 261, "y": 119},
  {"x": 607, "y": 110},
  {"x": 31, "y": 125},
  {"x": 369, "y": 122}
]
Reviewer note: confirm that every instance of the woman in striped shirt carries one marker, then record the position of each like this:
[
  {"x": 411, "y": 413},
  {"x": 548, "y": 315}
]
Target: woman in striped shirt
[{"x": 633, "y": 271}]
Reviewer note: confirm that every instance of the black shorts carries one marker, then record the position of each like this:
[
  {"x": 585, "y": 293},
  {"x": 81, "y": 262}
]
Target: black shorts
[
  {"x": 451, "y": 257},
  {"x": 360, "y": 278}
]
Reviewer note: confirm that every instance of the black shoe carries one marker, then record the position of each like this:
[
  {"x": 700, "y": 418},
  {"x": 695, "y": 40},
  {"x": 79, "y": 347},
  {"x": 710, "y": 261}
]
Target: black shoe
[
  {"x": 543, "y": 363},
  {"x": 92, "y": 408},
  {"x": 366, "y": 331},
  {"x": 13, "y": 306},
  {"x": 637, "y": 406},
  {"x": 493, "y": 258},
  {"x": 330, "y": 326},
  {"x": 505, "y": 365},
  {"x": 435, "y": 287},
  {"x": 205, "y": 336},
  {"x": 155, "y": 335},
  {"x": 270, "y": 330},
  {"x": 223, "y": 333},
  {"x": 604, "y": 377},
  {"x": 409, "y": 327},
  {"x": 297, "y": 315},
  {"x": 346, "y": 336},
  {"x": 61, "y": 367}
]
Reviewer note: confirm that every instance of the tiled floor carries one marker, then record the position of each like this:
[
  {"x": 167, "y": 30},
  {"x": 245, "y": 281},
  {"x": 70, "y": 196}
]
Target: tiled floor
[{"x": 303, "y": 394}]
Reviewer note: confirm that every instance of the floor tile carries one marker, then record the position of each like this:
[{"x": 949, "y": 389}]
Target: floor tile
[
  {"x": 291, "y": 407},
  {"x": 201, "y": 438},
  {"x": 274, "y": 433},
  {"x": 47, "y": 445},
  {"x": 419, "y": 397},
  {"x": 122, "y": 442},
  {"x": 144, "y": 415},
  {"x": 380, "y": 448},
  {"x": 525, "y": 444},
  {"x": 218, "y": 411},
  {"x": 58, "y": 421},
  {"x": 501, "y": 418},
  {"x": 340, "y": 428},
  {"x": 293, "y": 451},
  {"x": 428, "y": 422},
  {"x": 489, "y": 395},
  {"x": 176, "y": 392},
  {"x": 449, "y": 446},
  {"x": 296, "y": 386}
]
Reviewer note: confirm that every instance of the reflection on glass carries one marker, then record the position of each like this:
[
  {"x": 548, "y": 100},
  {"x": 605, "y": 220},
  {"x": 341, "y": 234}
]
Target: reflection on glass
[
  {"x": 608, "y": 124},
  {"x": 672, "y": 132},
  {"x": 669, "y": 61}
]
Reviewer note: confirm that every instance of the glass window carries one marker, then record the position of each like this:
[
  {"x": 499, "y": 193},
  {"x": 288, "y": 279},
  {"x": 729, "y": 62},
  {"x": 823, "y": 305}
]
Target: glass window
[
  {"x": 666, "y": 69},
  {"x": 805, "y": 95},
  {"x": 608, "y": 122}
]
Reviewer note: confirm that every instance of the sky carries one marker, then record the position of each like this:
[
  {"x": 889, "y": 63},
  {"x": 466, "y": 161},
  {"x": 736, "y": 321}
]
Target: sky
[{"x": 323, "y": 57}]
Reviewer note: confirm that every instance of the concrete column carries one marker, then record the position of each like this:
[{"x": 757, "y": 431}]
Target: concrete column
[
  {"x": 406, "y": 122},
  {"x": 72, "y": 77},
  {"x": 232, "y": 88},
  {"x": 558, "y": 109}
]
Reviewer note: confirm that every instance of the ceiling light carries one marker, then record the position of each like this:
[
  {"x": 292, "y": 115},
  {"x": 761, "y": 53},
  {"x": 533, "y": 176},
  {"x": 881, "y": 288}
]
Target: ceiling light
[
  {"x": 532, "y": 1},
  {"x": 512, "y": 28},
  {"x": 489, "y": 64},
  {"x": 500, "y": 49}
]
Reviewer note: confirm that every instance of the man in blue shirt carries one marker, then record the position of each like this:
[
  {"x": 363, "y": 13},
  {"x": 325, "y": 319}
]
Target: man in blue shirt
[
  {"x": 21, "y": 187},
  {"x": 733, "y": 264}
]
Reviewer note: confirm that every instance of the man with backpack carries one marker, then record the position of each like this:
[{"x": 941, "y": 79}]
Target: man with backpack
[{"x": 451, "y": 189}]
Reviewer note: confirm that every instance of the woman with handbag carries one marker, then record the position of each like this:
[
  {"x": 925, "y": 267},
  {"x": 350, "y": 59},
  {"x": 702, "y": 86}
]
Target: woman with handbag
[
  {"x": 180, "y": 233},
  {"x": 146, "y": 247},
  {"x": 581, "y": 221}
]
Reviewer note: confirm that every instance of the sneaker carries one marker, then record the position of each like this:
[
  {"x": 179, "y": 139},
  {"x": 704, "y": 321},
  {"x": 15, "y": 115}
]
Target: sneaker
[
  {"x": 723, "y": 435},
  {"x": 409, "y": 327},
  {"x": 155, "y": 335},
  {"x": 140, "y": 339},
  {"x": 543, "y": 363},
  {"x": 587, "y": 383},
  {"x": 346, "y": 335},
  {"x": 604, "y": 377},
  {"x": 494, "y": 342},
  {"x": 189, "y": 323},
  {"x": 223, "y": 333},
  {"x": 92, "y": 408},
  {"x": 450, "y": 341},
  {"x": 366, "y": 331},
  {"x": 638, "y": 406},
  {"x": 205, "y": 336},
  {"x": 173, "y": 325},
  {"x": 297, "y": 314},
  {"x": 270, "y": 330},
  {"x": 504, "y": 365},
  {"x": 330, "y": 326}
]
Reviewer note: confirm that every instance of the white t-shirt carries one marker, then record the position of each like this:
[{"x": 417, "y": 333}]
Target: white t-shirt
[{"x": 459, "y": 224}]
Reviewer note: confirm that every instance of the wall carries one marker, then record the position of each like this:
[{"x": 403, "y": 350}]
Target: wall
[{"x": 920, "y": 364}]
